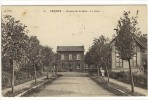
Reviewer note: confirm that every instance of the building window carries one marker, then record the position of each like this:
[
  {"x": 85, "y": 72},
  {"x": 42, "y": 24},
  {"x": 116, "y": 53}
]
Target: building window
[
  {"x": 119, "y": 62},
  {"x": 134, "y": 60},
  {"x": 78, "y": 66},
  {"x": 70, "y": 56},
  {"x": 62, "y": 57},
  {"x": 78, "y": 57}
]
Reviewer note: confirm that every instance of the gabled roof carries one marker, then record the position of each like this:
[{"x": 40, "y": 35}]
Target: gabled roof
[
  {"x": 137, "y": 40},
  {"x": 70, "y": 48},
  {"x": 140, "y": 43}
]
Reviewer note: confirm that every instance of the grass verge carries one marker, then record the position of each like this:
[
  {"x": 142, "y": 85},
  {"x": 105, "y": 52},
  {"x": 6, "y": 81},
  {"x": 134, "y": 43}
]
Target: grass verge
[
  {"x": 114, "y": 88},
  {"x": 10, "y": 94},
  {"x": 40, "y": 88}
]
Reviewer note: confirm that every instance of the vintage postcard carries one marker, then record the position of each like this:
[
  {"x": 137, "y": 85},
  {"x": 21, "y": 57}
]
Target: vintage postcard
[{"x": 74, "y": 51}]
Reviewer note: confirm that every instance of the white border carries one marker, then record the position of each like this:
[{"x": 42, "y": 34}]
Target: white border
[{"x": 72, "y": 2}]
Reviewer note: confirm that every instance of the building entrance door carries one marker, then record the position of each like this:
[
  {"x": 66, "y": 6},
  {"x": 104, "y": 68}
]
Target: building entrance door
[{"x": 70, "y": 68}]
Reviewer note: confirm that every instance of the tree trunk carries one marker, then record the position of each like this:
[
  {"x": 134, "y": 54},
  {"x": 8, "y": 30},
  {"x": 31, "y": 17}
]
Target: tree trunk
[
  {"x": 35, "y": 77},
  {"x": 43, "y": 69},
  {"x": 88, "y": 70},
  {"x": 56, "y": 70},
  {"x": 26, "y": 62},
  {"x": 50, "y": 70},
  {"x": 47, "y": 72},
  {"x": 107, "y": 73},
  {"x": 12, "y": 78},
  {"x": 131, "y": 76},
  {"x": 98, "y": 71}
]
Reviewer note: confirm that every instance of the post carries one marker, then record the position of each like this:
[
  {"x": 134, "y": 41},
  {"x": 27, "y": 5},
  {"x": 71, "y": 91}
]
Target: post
[
  {"x": 47, "y": 72},
  {"x": 107, "y": 73},
  {"x": 12, "y": 78},
  {"x": 34, "y": 72},
  {"x": 131, "y": 76},
  {"x": 98, "y": 71}
]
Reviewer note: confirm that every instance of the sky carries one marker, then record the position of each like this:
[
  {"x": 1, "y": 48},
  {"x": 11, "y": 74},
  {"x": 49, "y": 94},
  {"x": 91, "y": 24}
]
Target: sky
[{"x": 73, "y": 25}]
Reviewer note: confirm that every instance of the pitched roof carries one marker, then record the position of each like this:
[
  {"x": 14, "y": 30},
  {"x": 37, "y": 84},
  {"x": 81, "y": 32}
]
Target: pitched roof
[
  {"x": 140, "y": 43},
  {"x": 70, "y": 48},
  {"x": 137, "y": 40}
]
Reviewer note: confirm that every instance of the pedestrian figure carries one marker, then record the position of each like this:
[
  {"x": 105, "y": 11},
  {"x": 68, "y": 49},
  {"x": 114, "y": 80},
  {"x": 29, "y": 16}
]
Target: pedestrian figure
[
  {"x": 54, "y": 71},
  {"x": 102, "y": 72}
]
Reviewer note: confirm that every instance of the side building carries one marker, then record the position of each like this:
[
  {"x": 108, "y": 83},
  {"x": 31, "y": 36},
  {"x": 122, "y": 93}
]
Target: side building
[
  {"x": 71, "y": 58},
  {"x": 139, "y": 60}
]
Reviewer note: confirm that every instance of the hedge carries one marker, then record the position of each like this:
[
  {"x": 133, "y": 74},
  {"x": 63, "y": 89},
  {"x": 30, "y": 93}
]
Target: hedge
[
  {"x": 19, "y": 78},
  {"x": 140, "y": 80}
]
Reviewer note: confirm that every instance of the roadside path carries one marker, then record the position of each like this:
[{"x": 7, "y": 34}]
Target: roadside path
[
  {"x": 128, "y": 86},
  {"x": 23, "y": 86}
]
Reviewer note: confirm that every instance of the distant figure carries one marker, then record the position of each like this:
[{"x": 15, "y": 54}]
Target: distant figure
[
  {"x": 54, "y": 70},
  {"x": 102, "y": 72}
]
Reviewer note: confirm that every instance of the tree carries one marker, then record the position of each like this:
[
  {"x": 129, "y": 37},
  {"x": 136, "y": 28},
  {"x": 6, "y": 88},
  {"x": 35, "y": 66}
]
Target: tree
[
  {"x": 24, "y": 59},
  {"x": 47, "y": 57},
  {"x": 98, "y": 54},
  {"x": 13, "y": 33},
  {"x": 20, "y": 49},
  {"x": 106, "y": 54},
  {"x": 124, "y": 41},
  {"x": 57, "y": 62},
  {"x": 33, "y": 50},
  {"x": 102, "y": 52},
  {"x": 88, "y": 58}
]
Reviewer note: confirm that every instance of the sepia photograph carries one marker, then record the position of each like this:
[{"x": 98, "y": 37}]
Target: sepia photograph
[{"x": 74, "y": 50}]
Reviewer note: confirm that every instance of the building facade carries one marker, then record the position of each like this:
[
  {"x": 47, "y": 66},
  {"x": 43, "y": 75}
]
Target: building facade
[
  {"x": 137, "y": 62},
  {"x": 71, "y": 58}
]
